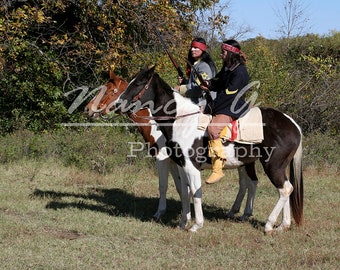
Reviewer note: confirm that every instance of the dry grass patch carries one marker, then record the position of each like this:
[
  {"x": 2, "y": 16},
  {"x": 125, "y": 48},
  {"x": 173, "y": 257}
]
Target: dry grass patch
[{"x": 56, "y": 217}]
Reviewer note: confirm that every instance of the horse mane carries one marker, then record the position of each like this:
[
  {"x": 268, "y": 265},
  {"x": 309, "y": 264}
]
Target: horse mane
[
  {"x": 185, "y": 105},
  {"x": 163, "y": 83}
]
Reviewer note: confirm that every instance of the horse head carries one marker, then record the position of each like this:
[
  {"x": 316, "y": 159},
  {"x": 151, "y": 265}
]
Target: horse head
[
  {"x": 139, "y": 93},
  {"x": 104, "y": 101}
]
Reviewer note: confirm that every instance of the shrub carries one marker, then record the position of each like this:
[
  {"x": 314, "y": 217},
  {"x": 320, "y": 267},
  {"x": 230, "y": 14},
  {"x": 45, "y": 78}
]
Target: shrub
[
  {"x": 99, "y": 149},
  {"x": 321, "y": 149}
]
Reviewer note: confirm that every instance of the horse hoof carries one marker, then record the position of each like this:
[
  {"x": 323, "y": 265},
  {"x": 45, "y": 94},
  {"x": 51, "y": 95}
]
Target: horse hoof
[
  {"x": 230, "y": 215},
  {"x": 269, "y": 232},
  {"x": 158, "y": 215},
  {"x": 244, "y": 218},
  {"x": 195, "y": 228},
  {"x": 183, "y": 226},
  {"x": 282, "y": 228},
  {"x": 268, "y": 229}
]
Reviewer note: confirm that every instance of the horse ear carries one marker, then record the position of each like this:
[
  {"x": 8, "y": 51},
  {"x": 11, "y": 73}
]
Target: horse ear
[
  {"x": 112, "y": 74},
  {"x": 152, "y": 69}
]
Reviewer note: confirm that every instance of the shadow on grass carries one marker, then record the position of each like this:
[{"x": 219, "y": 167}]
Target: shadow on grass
[{"x": 117, "y": 202}]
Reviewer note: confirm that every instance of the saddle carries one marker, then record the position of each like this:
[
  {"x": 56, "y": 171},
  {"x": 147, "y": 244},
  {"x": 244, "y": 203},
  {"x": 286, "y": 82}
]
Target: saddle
[{"x": 248, "y": 129}]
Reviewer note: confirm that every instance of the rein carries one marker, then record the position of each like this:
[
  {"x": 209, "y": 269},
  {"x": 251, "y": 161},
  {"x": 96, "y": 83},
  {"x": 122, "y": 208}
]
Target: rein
[{"x": 165, "y": 117}]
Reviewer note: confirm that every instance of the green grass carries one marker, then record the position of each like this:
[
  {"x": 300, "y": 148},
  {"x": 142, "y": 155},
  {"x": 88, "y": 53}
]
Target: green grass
[{"x": 54, "y": 216}]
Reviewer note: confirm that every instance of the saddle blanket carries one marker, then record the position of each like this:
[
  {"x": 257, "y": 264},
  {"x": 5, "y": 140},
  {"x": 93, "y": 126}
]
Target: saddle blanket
[{"x": 247, "y": 129}]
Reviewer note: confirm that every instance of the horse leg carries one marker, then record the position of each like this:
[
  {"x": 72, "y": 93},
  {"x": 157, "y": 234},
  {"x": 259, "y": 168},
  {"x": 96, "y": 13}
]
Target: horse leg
[
  {"x": 286, "y": 219},
  {"x": 241, "y": 192},
  {"x": 248, "y": 210},
  {"x": 185, "y": 199},
  {"x": 251, "y": 182},
  {"x": 163, "y": 173},
  {"x": 175, "y": 175},
  {"x": 194, "y": 181},
  {"x": 284, "y": 193},
  {"x": 246, "y": 182},
  {"x": 163, "y": 167}
]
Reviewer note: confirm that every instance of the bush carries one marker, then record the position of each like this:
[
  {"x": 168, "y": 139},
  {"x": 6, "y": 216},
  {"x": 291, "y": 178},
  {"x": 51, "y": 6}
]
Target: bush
[
  {"x": 321, "y": 149},
  {"x": 99, "y": 149},
  {"x": 26, "y": 144},
  {"x": 106, "y": 149}
]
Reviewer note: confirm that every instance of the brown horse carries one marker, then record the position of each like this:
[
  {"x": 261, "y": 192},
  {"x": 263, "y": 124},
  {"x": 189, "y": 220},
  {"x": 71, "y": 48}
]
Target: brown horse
[
  {"x": 102, "y": 104},
  {"x": 177, "y": 118}
]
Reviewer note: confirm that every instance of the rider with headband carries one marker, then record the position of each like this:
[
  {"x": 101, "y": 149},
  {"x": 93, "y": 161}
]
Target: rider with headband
[
  {"x": 229, "y": 103},
  {"x": 200, "y": 59}
]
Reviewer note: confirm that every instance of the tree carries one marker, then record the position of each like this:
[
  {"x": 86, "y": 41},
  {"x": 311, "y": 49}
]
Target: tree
[
  {"x": 293, "y": 20},
  {"x": 213, "y": 23},
  {"x": 48, "y": 48}
]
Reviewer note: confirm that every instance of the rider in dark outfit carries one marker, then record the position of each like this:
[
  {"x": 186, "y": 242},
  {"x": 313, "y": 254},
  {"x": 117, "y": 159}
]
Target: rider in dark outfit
[
  {"x": 235, "y": 81},
  {"x": 229, "y": 103}
]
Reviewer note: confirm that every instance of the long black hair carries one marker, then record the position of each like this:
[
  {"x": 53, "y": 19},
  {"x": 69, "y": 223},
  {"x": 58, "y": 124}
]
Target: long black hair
[
  {"x": 205, "y": 57},
  {"x": 234, "y": 58}
]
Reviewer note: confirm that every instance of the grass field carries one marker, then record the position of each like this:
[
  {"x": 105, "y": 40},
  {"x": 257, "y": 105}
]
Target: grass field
[{"x": 57, "y": 217}]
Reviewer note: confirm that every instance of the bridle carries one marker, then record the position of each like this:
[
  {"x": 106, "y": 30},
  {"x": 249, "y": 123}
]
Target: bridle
[
  {"x": 145, "y": 88},
  {"x": 115, "y": 91},
  {"x": 142, "y": 92},
  {"x": 105, "y": 100}
]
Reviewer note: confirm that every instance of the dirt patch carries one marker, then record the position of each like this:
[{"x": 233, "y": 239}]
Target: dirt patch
[{"x": 63, "y": 234}]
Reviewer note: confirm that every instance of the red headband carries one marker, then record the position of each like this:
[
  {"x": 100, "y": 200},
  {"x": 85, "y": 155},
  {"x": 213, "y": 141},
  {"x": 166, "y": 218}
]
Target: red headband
[
  {"x": 199, "y": 45},
  {"x": 230, "y": 48}
]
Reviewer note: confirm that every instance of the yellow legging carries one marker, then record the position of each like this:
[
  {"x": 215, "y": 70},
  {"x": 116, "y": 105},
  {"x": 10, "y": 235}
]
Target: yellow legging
[{"x": 217, "y": 124}]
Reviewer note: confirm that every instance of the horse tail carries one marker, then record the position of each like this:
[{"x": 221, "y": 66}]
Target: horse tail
[{"x": 296, "y": 178}]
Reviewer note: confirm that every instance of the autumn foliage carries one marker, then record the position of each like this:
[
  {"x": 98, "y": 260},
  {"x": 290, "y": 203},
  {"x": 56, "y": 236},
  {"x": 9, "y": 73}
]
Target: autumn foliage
[{"x": 48, "y": 48}]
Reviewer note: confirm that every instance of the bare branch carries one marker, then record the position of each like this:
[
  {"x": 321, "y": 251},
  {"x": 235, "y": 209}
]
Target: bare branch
[{"x": 293, "y": 18}]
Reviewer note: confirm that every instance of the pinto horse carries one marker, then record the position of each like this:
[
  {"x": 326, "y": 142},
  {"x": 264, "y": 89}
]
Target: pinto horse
[
  {"x": 102, "y": 104},
  {"x": 177, "y": 118}
]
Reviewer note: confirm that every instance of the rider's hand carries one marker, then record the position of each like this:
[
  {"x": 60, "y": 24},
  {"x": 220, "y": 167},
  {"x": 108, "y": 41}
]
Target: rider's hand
[
  {"x": 205, "y": 86},
  {"x": 176, "y": 88}
]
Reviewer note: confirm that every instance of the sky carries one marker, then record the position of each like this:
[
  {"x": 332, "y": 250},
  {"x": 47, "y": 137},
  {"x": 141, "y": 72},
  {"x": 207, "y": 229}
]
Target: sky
[{"x": 261, "y": 16}]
